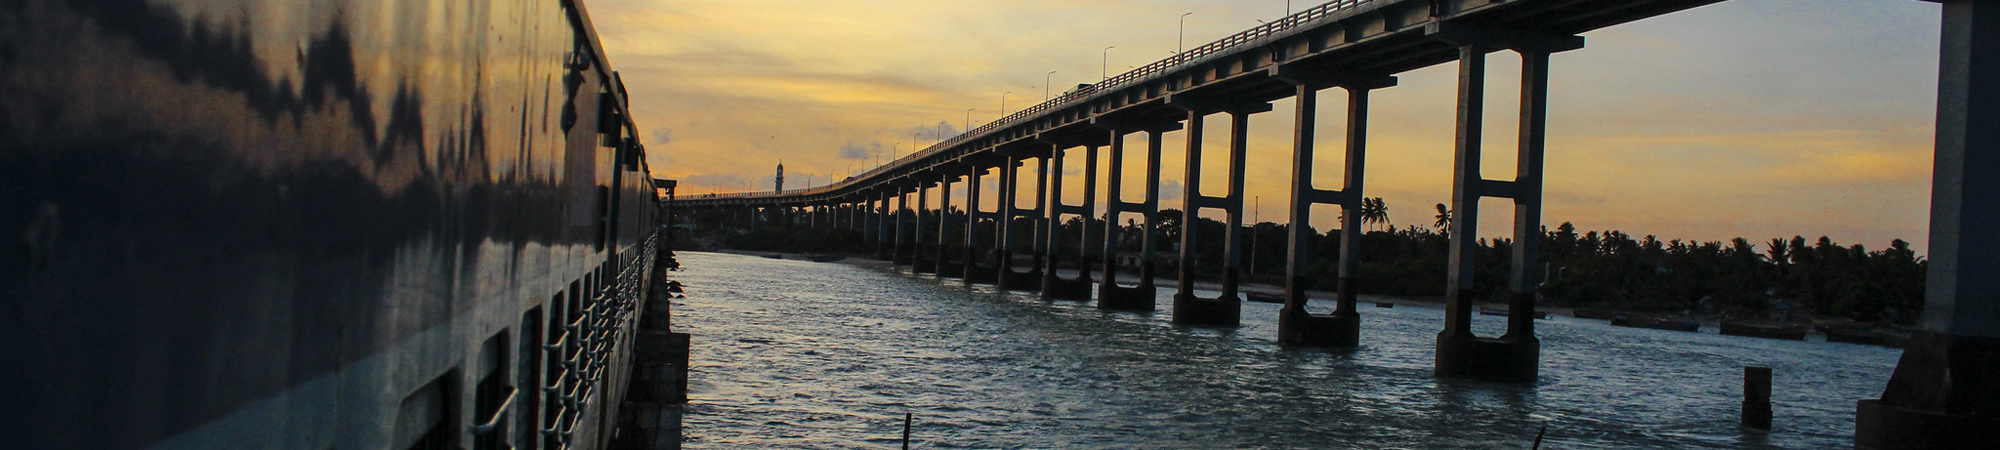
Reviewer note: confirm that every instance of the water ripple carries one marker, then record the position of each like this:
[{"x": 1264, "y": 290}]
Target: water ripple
[{"x": 794, "y": 354}]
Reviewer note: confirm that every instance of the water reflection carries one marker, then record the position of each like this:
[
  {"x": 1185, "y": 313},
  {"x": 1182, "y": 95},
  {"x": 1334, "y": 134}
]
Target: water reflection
[{"x": 795, "y": 354}]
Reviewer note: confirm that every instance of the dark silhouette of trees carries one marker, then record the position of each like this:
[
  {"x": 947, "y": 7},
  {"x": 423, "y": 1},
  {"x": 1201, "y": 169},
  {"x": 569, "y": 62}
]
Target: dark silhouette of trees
[{"x": 1603, "y": 269}]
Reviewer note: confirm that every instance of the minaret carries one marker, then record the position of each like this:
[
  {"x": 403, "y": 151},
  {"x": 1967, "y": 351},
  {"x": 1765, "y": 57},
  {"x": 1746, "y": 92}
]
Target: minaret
[{"x": 779, "y": 185}]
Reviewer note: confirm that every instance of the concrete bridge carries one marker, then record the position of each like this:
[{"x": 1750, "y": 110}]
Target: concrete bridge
[{"x": 1945, "y": 393}]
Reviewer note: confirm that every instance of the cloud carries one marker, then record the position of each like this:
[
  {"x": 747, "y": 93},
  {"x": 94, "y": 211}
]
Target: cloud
[
  {"x": 720, "y": 180},
  {"x": 934, "y": 131},
  {"x": 1171, "y": 190},
  {"x": 662, "y": 135},
  {"x": 851, "y": 150}
]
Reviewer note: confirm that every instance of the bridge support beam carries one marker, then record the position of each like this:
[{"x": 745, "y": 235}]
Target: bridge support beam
[
  {"x": 1945, "y": 393},
  {"x": 1342, "y": 327},
  {"x": 1515, "y": 356},
  {"x": 920, "y": 261},
  {"x": 866, "y": 209},
  {"x": 976, "y": 250},
  {"x": 943, "y": 265},
  {"x": 1111, "y": 295},
  {"x": 1003, "y": 260},
  {"x": 905, "y": 246},
  {"x": 885, "y": 246},
  {"x": 1054, "y": 286},
  {"x": 1226, "y": 310}
]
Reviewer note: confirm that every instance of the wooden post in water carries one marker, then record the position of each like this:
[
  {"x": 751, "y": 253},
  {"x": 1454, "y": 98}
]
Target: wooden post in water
[
  {"x": 1757, "y": 398},
  {"x": 906, "y": 429}
]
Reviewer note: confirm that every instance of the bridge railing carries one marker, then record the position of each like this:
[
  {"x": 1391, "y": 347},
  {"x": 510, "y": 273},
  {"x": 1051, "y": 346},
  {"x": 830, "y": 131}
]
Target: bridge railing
[{"x": 1220, "y": 46}]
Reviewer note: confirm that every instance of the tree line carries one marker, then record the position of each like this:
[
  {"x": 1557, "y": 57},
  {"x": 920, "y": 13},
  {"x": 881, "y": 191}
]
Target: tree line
[{"x": 1600, "y": 269}]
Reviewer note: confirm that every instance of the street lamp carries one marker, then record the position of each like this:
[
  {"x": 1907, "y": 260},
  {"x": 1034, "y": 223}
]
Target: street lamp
[
  {"x": 1181, "y": 45},
  {"x": 1105, "y": 70},
  {"x": 1045, "y": 85},
  {"x": 968, "y": 121},
  {"x": 1003, "y": 103}
]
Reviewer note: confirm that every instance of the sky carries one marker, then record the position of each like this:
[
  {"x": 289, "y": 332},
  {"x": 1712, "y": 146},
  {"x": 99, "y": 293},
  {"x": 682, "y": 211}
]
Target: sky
[{"x": 1751, "y": 118}]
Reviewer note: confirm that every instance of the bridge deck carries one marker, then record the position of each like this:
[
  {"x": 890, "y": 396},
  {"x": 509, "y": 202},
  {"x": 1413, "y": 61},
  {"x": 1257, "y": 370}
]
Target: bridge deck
[{"x": 1375, "y": 37}]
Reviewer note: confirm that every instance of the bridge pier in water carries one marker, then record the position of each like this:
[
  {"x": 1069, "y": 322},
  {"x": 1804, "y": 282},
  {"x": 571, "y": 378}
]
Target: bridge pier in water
[
  {"x": 947, "y": 264},
  {"x": 1942, "y": 394},
  {"x": 921, "y": 260},
  {"x": 1516, "y": 355},
  {"x": 974, "y": 249},
  {"x": 1342, "y": 327},
  {"x": 1003, "y": 260},
  {"x": 1226, "y": 310},
  {"x": 1945, "y": 393},
  {"x": 1054, "y": 286},
  {"x": 885, "y": 244},
  {"x": 904, "y": 253},
  {"x": 1111, "y": 295}
]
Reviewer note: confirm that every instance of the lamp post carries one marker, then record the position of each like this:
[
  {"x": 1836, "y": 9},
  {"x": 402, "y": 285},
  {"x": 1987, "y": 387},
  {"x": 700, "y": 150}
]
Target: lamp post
[
  {"x": 1046, "y": 79},
  {"x": 968, "y": 121},
  {"x": 1181, "y": 45},
  {"x": 1003, "y": 103},
  {"x": 1105, "y": 70}
]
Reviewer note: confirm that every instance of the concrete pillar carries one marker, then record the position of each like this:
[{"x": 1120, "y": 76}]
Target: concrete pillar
[
  {"x": 1227, "y": 309},
  {"x": 1945, "y": 393},
  {"x": 1525, "y": 275},
  {"x": 944, "y": 247},
  {"x": 1003, "y": 241},
  {"x": 1052, "y": 214},
  {"x": 1087, "y": 252},
  {"x": 920, "y": 250},
  {"x": 1239, "y": 149},
  {"x": 1054, "y": 286},
  {"x": 1150, "y": 242},
  {"x": 1296, "y": 325},
  {"x": 1110, "y": 295},
  {"x": 886, "y": 245},
  {"x": 1190, "y": 209},
  {"x": 902, "y": 215},
  {"x": 869, "y": 237},
  {"x": 975, "y": 249},
  {"x": 1515, "y": 356},
  {"x": 1043, "y": 227}
]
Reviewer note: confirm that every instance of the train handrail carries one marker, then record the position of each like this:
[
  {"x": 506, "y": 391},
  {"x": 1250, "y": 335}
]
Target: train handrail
[{"x": 494, "y": 422}]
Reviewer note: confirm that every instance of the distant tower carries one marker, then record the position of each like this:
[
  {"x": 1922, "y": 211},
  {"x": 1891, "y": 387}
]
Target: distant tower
[{"x": 780, "y": 184}]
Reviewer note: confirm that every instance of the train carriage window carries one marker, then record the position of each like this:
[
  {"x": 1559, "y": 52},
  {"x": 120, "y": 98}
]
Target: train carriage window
[
  {"x": 492, "y": 395},
  {"x": 530, "y": 379},
  {"x": 422, "y": 422}
]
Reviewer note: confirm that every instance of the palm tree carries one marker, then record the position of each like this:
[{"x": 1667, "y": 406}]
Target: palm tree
[
  {"x": 1374, "y": 210},
  {"x": 1444, "y": 220}
]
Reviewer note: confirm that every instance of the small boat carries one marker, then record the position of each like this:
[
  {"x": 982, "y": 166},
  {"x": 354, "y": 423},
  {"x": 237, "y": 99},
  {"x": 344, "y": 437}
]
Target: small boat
[
  {"x": 1384, "y": 305},
  {"x": 1764, "y": 329},
  {"x": 1502, "y": 312},
  {"x": 825, "y": 257},
  {"x": 1866, "y": 336},
  {"x": 1599, "y": 314},
  {"x": 1657, "y": 323},
  {"x": 1262, "y": 298}
]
